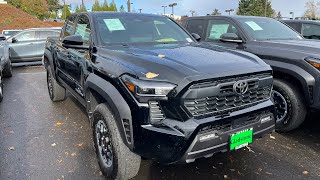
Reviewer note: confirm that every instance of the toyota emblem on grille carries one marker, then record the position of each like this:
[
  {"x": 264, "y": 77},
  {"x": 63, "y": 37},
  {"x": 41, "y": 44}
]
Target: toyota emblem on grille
[{"x": 241, "y": 87}]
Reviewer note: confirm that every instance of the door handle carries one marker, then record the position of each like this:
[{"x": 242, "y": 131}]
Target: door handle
[{"x": 30, "y": 44}]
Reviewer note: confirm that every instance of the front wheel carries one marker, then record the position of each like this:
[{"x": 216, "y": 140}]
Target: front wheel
[
  {"x": 1, "y": 88},
  {"x": 115, "y": 159},
  {"x": 7, "y": 70},
  {"x": 290, "y": 106},
  {"x": 56, "y": 92}
]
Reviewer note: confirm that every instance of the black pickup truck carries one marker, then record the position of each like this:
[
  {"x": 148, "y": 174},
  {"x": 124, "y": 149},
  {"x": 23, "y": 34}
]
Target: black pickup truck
[
  {"x": 5, "y": 63},
  {"x": 295, "y": 60},
  {"x": 151, "y": 91}
]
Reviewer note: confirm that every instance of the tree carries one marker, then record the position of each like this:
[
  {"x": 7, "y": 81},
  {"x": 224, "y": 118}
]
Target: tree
[
  {"x": 113, "y": 6},
  {"x": 279, "y": 16},
  {"x": 38, "y": 8},
  {"x": 65, "y": 11},
  {"x": 215, "y": 12},
  {"x": 255, "y": 8},
  {"x": 105, "y": 6},
  {"x": 54, "y": 6},
  {"x": 96, "y": 6},
  {"x": 15, "y": 3},
  {"x": 312, "y": 9},
  {"x": 77, "y": 9},
  {"x": 83, "y": 7},
  {"x": 122, "y": 9}
]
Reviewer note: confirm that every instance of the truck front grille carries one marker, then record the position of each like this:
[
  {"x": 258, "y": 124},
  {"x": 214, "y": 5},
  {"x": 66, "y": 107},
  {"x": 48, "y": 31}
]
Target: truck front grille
[{"x": 224, "y": 100}]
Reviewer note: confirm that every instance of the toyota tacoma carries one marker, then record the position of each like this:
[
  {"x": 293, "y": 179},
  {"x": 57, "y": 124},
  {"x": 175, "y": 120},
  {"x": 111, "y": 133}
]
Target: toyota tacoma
[
  {"x": 151, "y": 91},
  {"x": 295, "y": 61}
]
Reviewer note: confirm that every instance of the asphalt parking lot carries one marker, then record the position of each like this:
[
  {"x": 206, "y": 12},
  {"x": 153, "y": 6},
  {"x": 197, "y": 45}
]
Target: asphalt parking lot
[{"x": 45, "y": 140}]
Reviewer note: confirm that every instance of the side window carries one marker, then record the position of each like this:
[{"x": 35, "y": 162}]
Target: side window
[
  {"x": 45, "y": 34},
  {"x": 216, "y": 28},
  {"x": 69, "y": 26},
  {"x": 26, "y": 36},
  {"x": 311, "y": 31},
  {"x": 196, "y": 26},
  {"x": 295, "y": 26},
  {"x": 83, "y": 29}
]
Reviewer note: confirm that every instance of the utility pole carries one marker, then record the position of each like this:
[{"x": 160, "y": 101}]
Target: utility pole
[
  {"x": 164, "y": 9},
  {"x": 173, "y": 5},
  {"x": 129, "y": 5},
  {"x": 192, "y": 12},
  {"x": 229, "y": 11},
  {"x": 140, "y": 10}
]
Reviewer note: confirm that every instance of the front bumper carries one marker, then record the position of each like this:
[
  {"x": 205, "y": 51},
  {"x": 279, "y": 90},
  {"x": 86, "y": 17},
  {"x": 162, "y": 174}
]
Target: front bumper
[{"x": 179, "y": 142}]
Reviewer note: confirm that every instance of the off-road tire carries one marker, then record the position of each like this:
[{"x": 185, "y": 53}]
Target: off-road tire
[
  {"x": 7, "y": 70},
  {"x": 1, "y": 88},
  {"x": 56, "y": 92},
  {"x": 125, "y": 164},
  {"x": 297, "y": 109}
]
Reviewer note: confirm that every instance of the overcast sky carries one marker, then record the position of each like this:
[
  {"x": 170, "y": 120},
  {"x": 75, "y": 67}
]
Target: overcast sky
[{"x": 202, "y": 7}]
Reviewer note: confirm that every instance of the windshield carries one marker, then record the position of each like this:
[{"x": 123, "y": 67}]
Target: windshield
[
  {"x": 10, "y": 33},
  {"x": 268, "y": 29},
  {"x": 139, "y": 29}
]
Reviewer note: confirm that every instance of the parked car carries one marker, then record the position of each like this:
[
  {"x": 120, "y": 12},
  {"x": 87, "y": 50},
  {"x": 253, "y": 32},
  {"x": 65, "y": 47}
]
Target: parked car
[
  {"x": 9, "y": 33},
  {"x": 152, "y": 91},
  {"x": 295, "y": 60},
  {"x": 28, "y": 45},
  {"x": 309, "y": 29},
  {"x": 4, "y": 62}
]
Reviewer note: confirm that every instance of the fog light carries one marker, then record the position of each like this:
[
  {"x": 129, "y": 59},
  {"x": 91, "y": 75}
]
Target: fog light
[
  {"x": 207, "y": 137},
  {"x": 266, "y": 119}
]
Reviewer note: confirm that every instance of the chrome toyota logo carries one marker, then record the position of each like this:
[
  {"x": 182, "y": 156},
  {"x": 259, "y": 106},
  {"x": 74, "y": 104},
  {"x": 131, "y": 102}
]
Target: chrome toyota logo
[{"x": 241, "y": 87}]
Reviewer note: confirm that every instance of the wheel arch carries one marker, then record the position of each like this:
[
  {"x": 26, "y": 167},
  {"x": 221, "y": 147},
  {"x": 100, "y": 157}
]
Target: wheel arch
[
  {"x": 100, "y": 91},
  {"x": 304, "y": 80},
  {"x": 48, "y": 61}
]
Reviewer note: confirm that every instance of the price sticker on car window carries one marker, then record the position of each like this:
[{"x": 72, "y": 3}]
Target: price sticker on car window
[
  {"x": 114, "y": 24},
  {"x": 254, "y": 26}
]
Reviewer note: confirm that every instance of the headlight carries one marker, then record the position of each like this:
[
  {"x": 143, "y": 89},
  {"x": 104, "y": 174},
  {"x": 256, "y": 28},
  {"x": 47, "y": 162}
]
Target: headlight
[
  {"x": 315, "y": 62},
  {"x": 144, "y": 90}
]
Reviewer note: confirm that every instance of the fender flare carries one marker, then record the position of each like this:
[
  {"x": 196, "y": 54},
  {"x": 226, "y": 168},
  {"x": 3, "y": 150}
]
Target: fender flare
[
  {"x": 48, "y": 55},
  {"x": 116, "y": 102},
  {"x": 305, "y": 78}
]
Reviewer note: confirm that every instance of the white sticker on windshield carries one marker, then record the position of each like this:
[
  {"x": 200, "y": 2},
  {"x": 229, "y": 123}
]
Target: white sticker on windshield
[
  {"x": 114, "y": 24},
  {"x": 254, "y": 26},
  {"x": 189, "y": 40}
]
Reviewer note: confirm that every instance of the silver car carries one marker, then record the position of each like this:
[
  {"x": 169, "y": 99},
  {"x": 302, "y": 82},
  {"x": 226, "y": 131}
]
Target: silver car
[
  {"x": 9, "y": 33},
  {"x": 28, "y": 45}
]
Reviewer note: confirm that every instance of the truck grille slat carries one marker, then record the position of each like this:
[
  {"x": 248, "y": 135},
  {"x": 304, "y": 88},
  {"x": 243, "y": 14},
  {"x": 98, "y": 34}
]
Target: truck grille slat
[{"x": 227, "y": 100}]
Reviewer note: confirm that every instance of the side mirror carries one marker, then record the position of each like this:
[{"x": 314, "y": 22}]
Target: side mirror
[
  {"x": 230, "y": 37},
  {"x": 2, "y": 37},
  {"x": 196, "y": 36},
  {"x": 74, "y": 42},
  {"x": 14, "y": 40}
]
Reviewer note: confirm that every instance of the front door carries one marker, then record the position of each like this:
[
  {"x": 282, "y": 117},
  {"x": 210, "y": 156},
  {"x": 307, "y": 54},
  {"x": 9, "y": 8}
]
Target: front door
[
  {"x": 23, "y": 46},
  {"x": 79, "y": 57},
  {"x": 218, "y": 27}
]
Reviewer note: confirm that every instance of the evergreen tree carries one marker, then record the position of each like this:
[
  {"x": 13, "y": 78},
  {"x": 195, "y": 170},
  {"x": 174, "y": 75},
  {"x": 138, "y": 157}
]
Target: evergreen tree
[
  {"x": 279, "y": 16},
  {"x": 65, "y": 11},
  {"x": 54, "y": 6},
  {"x": 96, "y": 6},
  {"x": 255, "y": 8},
  {"x": 113, "y": 6},
  {"x": 83, "y": 7},
  {"x": 215, "y": 12},
  {"x": 105, "y": 6},
  {"x": 38, "y": 8},
  {"x": 77, "y": 9}
]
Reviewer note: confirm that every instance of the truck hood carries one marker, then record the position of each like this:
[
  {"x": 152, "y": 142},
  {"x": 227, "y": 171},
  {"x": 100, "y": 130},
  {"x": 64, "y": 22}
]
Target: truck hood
[
  {"x": 303, "y": 45},
  {"x": 176, "y": 62}
]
